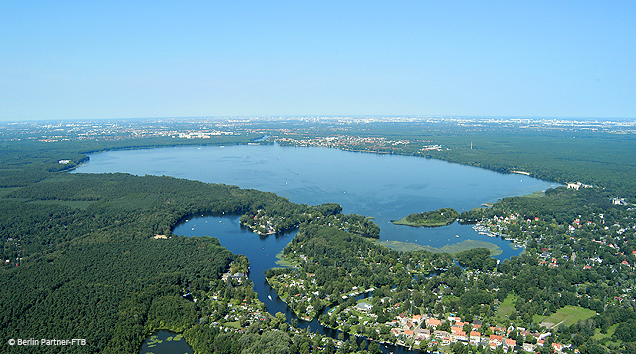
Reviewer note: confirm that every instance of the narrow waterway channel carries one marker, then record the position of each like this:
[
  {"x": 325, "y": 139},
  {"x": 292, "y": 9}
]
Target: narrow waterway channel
[{"x": 261, "y": 252}]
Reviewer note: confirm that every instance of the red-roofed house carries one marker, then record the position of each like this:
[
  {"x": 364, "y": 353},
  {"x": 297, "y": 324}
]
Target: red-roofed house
[
  {"x": 475, "y": 337},
  {"x": 541, "y": 342},
  {"x": 498, "y": 340},
  {"x": 461, "y": 335},
  {"x": 431, "y": 322}
]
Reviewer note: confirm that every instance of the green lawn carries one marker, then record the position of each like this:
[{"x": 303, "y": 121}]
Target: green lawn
[
  {"x": 610, "y": 331},
  {"x": 568, "y": 315},
  {"x": 507, "y": 307},
  {"x": 538, "y": 318},
  {"x": 234, "y": 324}
]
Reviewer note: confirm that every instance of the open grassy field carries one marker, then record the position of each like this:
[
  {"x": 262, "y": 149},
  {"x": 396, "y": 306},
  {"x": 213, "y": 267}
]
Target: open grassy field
[
  {"x": 568, "y": 316},
  {"x": 507, "y": 307},
  {"x": 454, "y": 248},
  {"x": 610, "y": 331}
]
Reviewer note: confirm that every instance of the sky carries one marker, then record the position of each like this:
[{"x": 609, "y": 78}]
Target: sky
[{"x": 128, "y": 59}]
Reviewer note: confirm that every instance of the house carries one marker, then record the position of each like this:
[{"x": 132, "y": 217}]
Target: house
[
  {"x": 528, "y": 347},
  {"x": 364, "y": 307},
  {"x": 461, "y": 336},
  {"x": 433, "y": 323},
  {"x": 422, "y": 334},
  {"x": 615, "y": 201},
  {"x": 497, "y": 340},
  {"x": 475, "y": 337},
  {"x": 441, "y": 334},
  {"x": 408, "y": 325}
]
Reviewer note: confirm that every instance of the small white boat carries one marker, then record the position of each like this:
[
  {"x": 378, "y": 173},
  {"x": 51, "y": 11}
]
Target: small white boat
[{"x": 269, "y": 297}]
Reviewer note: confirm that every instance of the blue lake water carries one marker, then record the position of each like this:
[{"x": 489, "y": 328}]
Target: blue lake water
[{"x": 386, "y": 187}]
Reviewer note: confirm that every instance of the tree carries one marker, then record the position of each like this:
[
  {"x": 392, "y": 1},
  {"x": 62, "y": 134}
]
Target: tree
[
  {"x": 593, "y": 348},
  {"x": 305, "y": 348},
  {"x": 280, "y": 317},
  {"x": 374, "y": 348},
  {"x": 445, "y": 326},
  {"x": 459, "y": 348}
]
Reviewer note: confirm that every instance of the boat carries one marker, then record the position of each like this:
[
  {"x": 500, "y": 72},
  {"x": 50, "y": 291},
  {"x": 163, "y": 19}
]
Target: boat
[{"x": 269, "y": 297}]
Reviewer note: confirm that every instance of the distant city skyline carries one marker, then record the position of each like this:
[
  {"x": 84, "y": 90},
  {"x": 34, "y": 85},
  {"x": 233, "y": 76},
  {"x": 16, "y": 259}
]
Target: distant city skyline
[{"x": 80, "y": 61}]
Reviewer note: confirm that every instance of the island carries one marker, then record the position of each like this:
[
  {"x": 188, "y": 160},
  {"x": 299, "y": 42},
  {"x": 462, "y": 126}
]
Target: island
[{"x": 435, "y": 218}]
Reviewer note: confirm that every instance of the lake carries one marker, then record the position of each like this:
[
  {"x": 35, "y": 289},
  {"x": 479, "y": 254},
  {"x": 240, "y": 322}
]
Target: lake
[{"x": 386, "y": 187}]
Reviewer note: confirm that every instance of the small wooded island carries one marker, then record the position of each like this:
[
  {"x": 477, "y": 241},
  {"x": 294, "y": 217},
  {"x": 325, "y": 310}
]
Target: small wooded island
[{"x": 435, "y": 218}]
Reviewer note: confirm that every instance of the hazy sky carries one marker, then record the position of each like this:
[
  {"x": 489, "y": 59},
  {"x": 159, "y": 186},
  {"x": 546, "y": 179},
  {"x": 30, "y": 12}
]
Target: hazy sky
[{"x": 114, "y": 59}]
